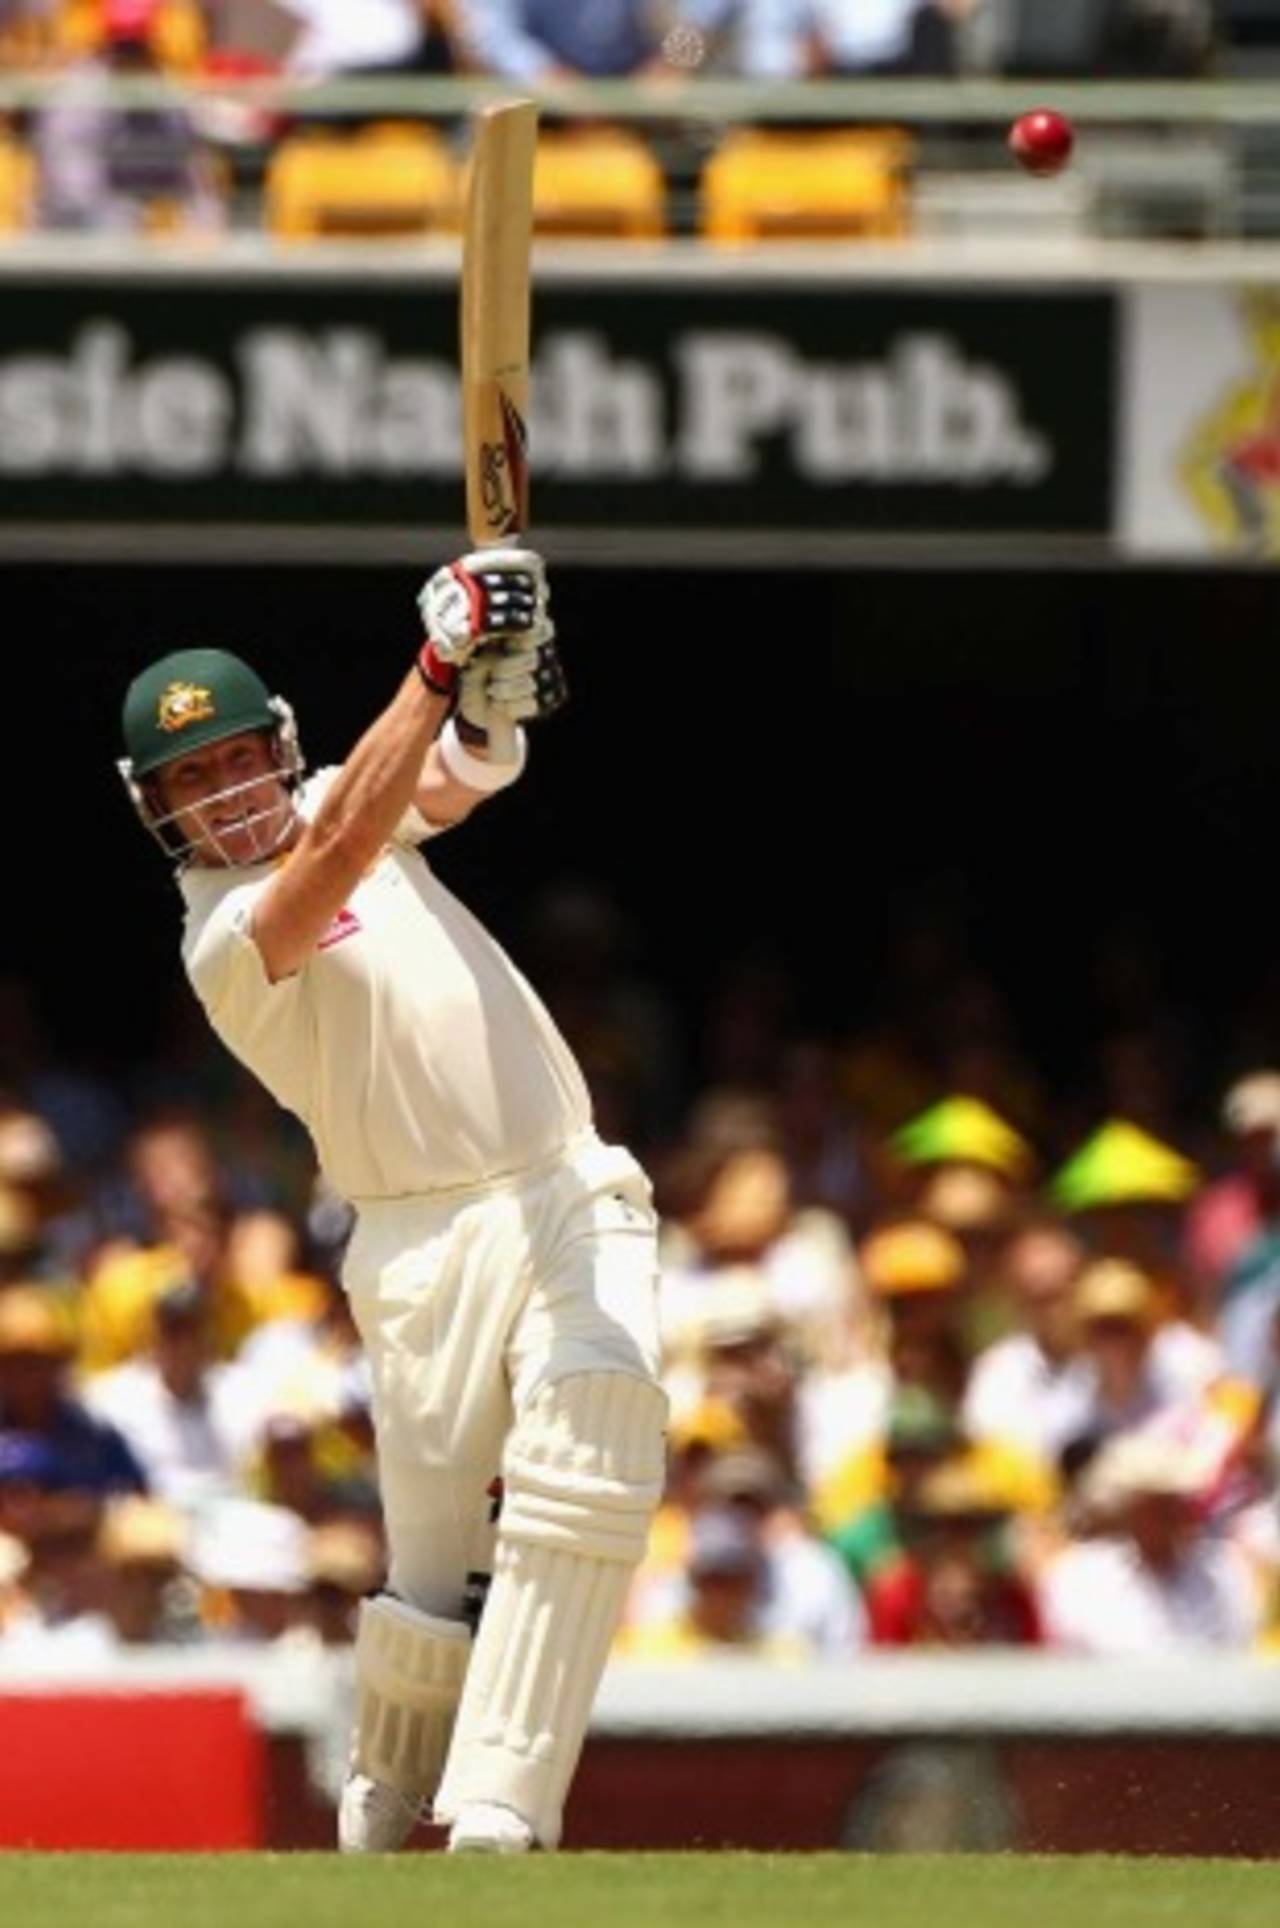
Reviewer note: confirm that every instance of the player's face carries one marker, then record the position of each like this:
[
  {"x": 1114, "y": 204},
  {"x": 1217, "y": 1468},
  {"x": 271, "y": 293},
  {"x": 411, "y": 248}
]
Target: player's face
[{"x": 228, "y": 801}]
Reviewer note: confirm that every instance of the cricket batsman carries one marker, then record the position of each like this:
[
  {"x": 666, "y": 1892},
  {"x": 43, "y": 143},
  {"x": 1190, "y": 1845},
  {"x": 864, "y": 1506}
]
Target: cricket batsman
[{"x": 502, "y": 1269}]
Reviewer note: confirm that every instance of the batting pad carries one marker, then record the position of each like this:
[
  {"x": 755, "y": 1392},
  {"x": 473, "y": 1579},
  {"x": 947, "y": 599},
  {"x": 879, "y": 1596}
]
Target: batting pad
[
  {"x": 409, "y": 1673},
  {"x": 583, "y": 1475}
]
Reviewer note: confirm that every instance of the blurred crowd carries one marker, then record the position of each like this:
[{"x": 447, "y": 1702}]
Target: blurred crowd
[
  {"x": 549, "y": 39},
  {"x": 81, "y": 161},
  {"x": 956, "y": 1359}
]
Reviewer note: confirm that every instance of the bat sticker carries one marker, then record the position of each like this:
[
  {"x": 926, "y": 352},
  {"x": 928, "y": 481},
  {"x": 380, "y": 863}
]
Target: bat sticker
[{"x": 504, "y": 474}]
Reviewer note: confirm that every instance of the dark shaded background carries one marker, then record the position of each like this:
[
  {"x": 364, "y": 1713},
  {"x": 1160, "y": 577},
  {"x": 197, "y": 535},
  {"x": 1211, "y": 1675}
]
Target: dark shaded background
[{"x": 816, "y": 768}]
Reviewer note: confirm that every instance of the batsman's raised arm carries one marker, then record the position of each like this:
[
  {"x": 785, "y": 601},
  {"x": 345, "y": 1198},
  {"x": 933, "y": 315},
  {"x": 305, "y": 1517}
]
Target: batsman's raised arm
[
  {"x": 368, "y": 798},
  {"x": 488, "y": 632}
]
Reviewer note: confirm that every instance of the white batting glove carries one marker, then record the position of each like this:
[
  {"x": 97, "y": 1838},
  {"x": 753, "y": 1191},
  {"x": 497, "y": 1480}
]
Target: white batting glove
[
  {"x": 486, "y": 597},
  {"x": 520, "y": 682}
]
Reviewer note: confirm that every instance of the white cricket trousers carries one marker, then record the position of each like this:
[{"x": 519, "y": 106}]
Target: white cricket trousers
[{"x": 468, "y": 1303}]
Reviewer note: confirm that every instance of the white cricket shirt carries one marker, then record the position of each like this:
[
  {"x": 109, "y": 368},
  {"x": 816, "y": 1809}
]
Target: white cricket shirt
[{"x": 410, "y": 1046}]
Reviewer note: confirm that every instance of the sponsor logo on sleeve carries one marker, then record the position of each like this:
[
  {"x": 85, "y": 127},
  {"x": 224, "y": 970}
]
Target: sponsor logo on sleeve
[{"x": 345, "y": 924}]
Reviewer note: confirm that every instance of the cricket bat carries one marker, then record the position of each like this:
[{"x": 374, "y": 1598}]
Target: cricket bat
[{"x": 496, "y": 247}]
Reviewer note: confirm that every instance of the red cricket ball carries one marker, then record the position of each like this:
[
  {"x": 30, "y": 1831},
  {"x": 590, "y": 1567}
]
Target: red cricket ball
[{"x": 1042, "y": 141}]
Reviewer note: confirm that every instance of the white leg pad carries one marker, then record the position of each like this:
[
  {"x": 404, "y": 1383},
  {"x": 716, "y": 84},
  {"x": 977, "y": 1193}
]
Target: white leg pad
[
  {"x": 583, "y": 1476},
  {"x": 410, "y": 1668}
]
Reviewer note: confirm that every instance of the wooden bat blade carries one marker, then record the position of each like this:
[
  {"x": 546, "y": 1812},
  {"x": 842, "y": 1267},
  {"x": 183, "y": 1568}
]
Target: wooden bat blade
[{"x": 497, "y": 240}]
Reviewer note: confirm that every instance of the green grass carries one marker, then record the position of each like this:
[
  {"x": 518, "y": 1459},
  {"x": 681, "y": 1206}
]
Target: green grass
[{"x": 628, "y": 1890}]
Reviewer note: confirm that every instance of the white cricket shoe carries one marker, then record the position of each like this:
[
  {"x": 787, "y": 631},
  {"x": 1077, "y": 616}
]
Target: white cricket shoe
[
  {"x": 374, "y": 1818},
  {"x": 482, "y": 1827}
]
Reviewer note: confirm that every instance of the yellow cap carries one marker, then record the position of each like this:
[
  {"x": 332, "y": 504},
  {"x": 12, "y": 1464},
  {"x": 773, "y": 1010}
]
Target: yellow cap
[
  {"x": 32, "y": 1320},
  {"x": 960, "y": 1487},
  {"x": 915, "y": 1257},
  {"x": 712, "y": 1423}
]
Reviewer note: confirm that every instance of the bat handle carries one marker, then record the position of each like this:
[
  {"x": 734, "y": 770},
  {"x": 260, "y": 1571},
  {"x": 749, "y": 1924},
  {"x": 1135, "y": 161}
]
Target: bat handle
[
  {"x": 502, "y": 731},
  {"x": 502, "y": 739}
]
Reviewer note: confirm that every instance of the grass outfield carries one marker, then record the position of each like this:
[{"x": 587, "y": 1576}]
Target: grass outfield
[{"x": 622, "y": 1890}]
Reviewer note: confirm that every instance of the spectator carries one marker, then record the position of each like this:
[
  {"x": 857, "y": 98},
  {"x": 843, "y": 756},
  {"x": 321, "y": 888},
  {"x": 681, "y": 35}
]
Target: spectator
[
  {"x": 1024, "y": 1392},
  {"x": 1246, "y": 1320},
  {"x": 143, "y": 1545},
  {"x": 377, "y": 36},
  {"x": 20, "y": 1238},
  {"x": 169, "y": 1166},
  {"x": 731, "y": 1378},
  {"x": 915, "y": 1273},
  {"x": 974, "y": 1207},
  {"x": 122, "y": 168},
  {"x": 252, "y": 1559},
  {"x": 196, "y": 1245},
  {"x": 969, "y": 1171},
  {"x": 1236, "y": 1212},
  {"x": 140, "y": 1547},
  {"x": 309, "y": 1462},
  {"x": 853, "y": 37},
  {"x": 789, "y": 39},
  {"x": 804, "y": 1591},
  {"x": 953, "y": 1583},
  {"x": 36, "y": 1191},
  {"x": 344, "y": 1563},
  {"x": 308, "y": 1382},
  {"x": 30, "y": 1473},
  {"x": 310, "y": 1363},
  {"x": 189, "y": 1421},
  {"x": 1125, "y": 1191},
  {"x": 1156, "y": 1582},
  {"x": 36, "y": 1350},
  {"x": 730, "y": 1204},
  {"x": 722, "y": 1608},
  {"x": 16, "y": 1608},
  {"x": 1136, "y": 1367},
  {"x": 863, "y": 1521},
  {"x": 545, "y": 40},
  {"x": 919, "y": 1275},
  {"x": 65, "y": 1579}
]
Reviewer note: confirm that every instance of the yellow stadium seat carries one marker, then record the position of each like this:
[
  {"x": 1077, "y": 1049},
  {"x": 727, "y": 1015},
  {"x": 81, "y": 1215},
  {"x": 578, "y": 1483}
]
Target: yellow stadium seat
[
  {"x": 828, "y": 184},
  {"x": 17, "y": 186},
  {"x": 598, "y": 181},
  {"x": 383, "y": 180}
]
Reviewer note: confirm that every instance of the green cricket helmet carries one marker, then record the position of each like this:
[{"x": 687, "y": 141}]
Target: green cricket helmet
[{"x": 189, "y": 701}]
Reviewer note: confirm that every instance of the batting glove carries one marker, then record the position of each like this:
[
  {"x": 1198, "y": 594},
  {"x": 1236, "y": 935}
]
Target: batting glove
[
  {"x": 522, "y": 682},
  {"x": 487, "y": 597}
]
